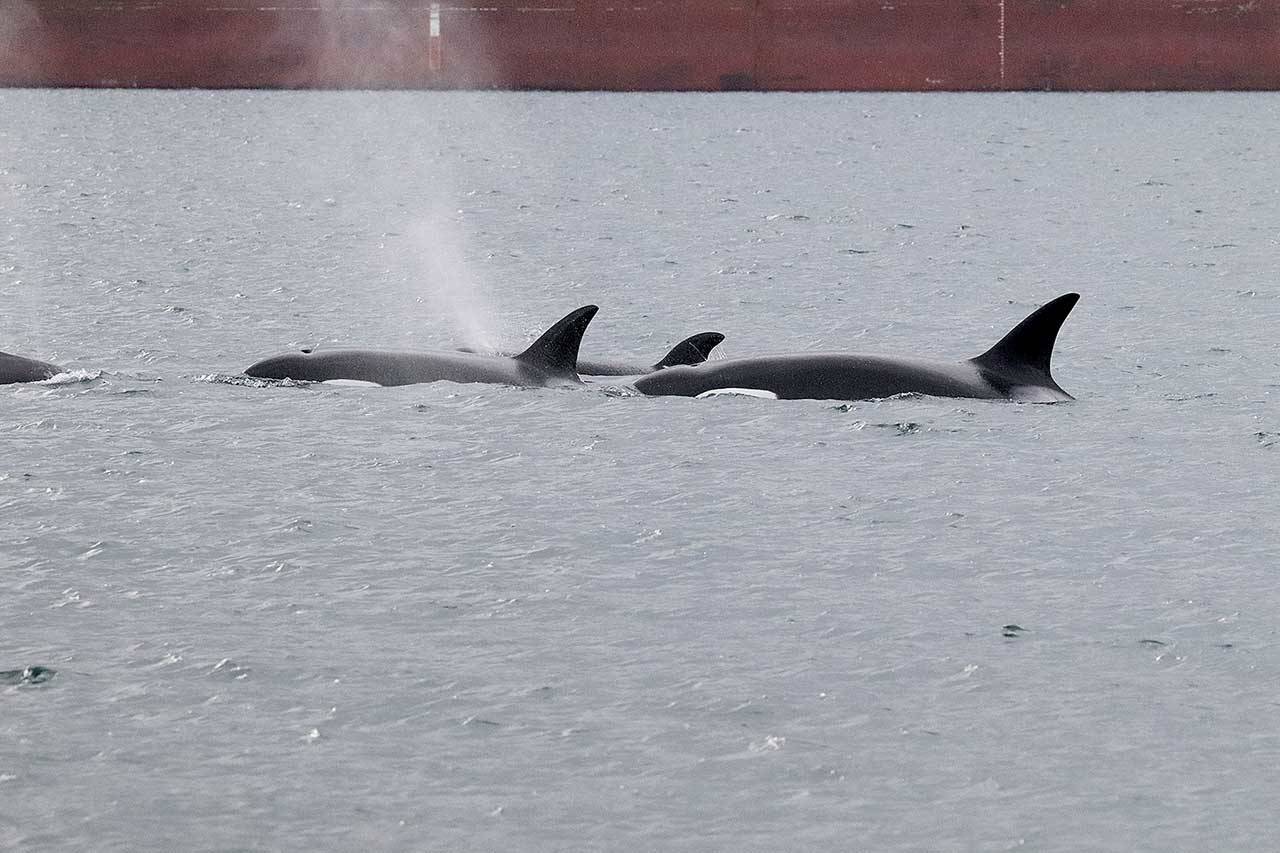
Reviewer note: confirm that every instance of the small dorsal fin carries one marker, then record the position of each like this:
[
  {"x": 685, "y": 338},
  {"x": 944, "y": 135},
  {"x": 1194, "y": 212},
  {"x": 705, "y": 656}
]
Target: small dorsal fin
[
  {"x": 692, "y": 350},
  {"x": 557, "y": 350},
  {"x": 1030, "y": 344}
]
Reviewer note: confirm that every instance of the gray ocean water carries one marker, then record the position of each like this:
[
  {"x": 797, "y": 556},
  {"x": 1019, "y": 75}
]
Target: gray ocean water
[{"x": 463, "y": 617}]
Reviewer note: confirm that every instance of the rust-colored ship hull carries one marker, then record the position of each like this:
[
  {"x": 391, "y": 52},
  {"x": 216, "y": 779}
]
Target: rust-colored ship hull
[{"x": 708, "y": 45}]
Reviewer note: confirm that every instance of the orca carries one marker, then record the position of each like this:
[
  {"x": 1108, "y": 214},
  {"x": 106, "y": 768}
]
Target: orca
[
  {"x": 15, "y": 368},
  {"x": 550, "y": 360},
  {"x": 1016, "y": 368},
  {"x": 692, "y": 350}
]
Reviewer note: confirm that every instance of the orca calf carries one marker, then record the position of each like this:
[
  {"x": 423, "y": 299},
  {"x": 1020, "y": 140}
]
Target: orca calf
[
  {"x": 15, "y": 368},
  {"x": 692, "y": 350},
  {"x": 1017, "y": 368},
  {"x": 551, "y": 359}
]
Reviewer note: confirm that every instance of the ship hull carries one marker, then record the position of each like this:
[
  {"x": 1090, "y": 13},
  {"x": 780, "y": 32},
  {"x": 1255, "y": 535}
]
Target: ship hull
[{"x": 698, "y": 45}]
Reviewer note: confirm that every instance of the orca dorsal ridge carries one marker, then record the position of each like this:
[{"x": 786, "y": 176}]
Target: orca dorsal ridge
[
  {"x": 557, "y": 350},
  {"x": 1030, "y": 343},
  {"x": 692, "y": 350}
]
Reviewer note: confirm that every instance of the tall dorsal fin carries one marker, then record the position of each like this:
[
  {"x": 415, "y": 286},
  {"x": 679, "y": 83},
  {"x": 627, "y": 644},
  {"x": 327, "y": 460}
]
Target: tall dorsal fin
[
  {"x": 1030, "y": 344},
  {"x": 557, "y": 350},
  {"x": 692, "y": 350}
]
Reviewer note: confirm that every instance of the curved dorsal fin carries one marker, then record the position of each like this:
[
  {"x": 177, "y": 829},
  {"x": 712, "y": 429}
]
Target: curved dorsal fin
[
  {"x": 692, "y": 350},
  {"x": 1030, "y": 344},
  {"x": 557, "y": 350}
]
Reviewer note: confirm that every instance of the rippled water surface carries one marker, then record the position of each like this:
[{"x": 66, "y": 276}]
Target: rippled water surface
[{"x": 463, "y": 617}]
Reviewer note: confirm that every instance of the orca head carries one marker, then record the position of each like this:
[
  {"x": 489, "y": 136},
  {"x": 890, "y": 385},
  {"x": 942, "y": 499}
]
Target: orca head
[{"x": 290, "y": 365}]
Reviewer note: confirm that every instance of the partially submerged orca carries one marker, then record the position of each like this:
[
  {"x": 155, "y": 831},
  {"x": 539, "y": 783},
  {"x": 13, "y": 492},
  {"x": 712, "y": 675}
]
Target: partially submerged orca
[
  {"x": 551, "y": 359},
  {"x": 1016, "y": 368},
  {"x": 692, "y": 350},
  {"x": 15, "y": 368}
]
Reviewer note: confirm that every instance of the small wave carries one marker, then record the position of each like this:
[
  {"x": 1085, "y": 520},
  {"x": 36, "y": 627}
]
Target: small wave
[
  {"x": 648, "y": 536},
  {"x": 27, "y": 675},
  {"x": 72, "y": 377},
  {"x": 618, "y": 391},
  {"x": 901, "y": 427},
  {"x": 229, "y": 669},
  {"x": 249, "y": 381},
  {"x": 854, "y": 404}
]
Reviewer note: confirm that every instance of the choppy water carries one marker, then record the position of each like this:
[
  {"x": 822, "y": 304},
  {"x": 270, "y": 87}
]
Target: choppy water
[{"x": 479, "y": 618}]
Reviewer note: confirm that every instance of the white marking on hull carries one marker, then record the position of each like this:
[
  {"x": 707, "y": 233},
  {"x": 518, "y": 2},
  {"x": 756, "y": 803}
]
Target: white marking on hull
[
  {"x": 1001, "y": 44},
  {"x": 433, "y": 41}
]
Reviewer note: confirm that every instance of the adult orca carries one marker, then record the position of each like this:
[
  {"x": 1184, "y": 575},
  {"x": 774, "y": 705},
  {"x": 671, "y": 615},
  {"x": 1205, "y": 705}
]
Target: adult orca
[
  {"x": 15, "y": 368},
  {"x": 692, "y": 350},
  {"x": 551, "y": 359},
  {"x": 1017, "y": 368}
]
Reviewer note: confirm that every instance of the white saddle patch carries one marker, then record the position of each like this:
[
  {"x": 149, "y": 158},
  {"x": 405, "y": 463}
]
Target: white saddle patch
[{"x": 351, "y": 383}]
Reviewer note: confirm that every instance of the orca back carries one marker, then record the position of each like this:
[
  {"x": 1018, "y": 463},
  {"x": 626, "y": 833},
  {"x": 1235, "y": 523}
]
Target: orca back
[{"x": 17, "y": 368}]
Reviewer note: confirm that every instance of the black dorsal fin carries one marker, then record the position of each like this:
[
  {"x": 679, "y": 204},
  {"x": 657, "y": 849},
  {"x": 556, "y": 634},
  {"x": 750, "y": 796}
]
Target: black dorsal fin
[
  {"x": 1030, "y": 344},
  {"x": 557, "y": 350},
  {"x": 692, "y": 350}
]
